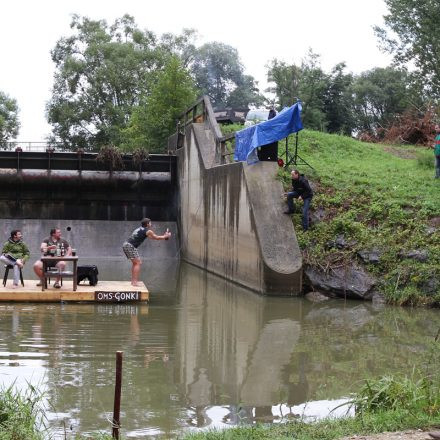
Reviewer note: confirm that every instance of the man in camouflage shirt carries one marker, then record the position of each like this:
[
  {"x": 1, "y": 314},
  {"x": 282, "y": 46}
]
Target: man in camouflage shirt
[{"x": 15, "y": 253}]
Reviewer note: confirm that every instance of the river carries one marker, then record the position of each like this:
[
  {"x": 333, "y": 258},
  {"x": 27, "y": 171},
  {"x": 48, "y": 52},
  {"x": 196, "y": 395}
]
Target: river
[{"x": 203, "y": 353}]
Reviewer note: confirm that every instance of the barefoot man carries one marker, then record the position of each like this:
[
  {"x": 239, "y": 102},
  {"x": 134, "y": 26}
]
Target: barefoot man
[{"x": 136, "y": 239}]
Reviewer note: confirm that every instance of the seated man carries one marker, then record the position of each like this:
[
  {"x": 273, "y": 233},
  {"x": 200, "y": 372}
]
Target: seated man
[
  {"x": 53, "y": 245},
  {"x": 15, "y": 253}
]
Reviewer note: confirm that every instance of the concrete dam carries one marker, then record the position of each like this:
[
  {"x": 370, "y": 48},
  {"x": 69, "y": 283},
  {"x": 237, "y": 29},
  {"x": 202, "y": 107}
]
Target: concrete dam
[{"x": 225, "y": 217}]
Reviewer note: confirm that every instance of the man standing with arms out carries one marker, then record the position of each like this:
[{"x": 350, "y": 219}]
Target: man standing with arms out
[
  {"x": 437, "y": 151},
  {"x": 15, "y": 253},
  {"x": 52, "y": 246},
  {"x": 134, "y": 241},
  {"x": 300, "y": 190}
]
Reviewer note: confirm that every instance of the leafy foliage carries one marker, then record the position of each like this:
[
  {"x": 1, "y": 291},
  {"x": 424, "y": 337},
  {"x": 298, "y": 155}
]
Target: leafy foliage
[
  {"x": 380, "y": 95},
  {"x": 120, "y": 85},
  {"x": 20, "y": 414},
  {"x": 9, "y": 124},
  {"x": 368, "y": 104},
  {"x": 101, "y": 73},
  {"x": 153, "y": 121},
  {"x": 306, "y": 82},
  {"x": 218, "y": 73},
  {"x": 414, "y": 38},
  {"x": 338, "y": 102}
]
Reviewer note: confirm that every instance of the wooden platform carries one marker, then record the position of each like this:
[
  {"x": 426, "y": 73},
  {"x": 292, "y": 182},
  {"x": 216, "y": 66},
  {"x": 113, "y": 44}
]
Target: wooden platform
[{"x": 103, "y": 292}]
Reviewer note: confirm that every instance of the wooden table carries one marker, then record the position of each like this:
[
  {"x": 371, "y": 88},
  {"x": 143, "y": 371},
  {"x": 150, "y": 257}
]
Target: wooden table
[{"x": 51, "y": 261}]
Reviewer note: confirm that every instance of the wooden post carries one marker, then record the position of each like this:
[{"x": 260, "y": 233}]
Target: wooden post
[{"x": 117, "y": 403}]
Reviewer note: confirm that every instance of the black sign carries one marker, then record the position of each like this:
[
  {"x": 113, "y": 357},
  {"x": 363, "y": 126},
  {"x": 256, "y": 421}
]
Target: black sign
[{"x": 101, "y": 296}]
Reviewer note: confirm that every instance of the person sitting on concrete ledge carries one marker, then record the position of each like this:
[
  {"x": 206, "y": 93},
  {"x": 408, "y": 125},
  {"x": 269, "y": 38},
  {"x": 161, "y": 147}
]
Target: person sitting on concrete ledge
[
  {"x": 300, "y": 190},
  {"x": 53, "y": 245},
  {"x": 136, "y": 238},
  {"x": 15, "y": 253}
]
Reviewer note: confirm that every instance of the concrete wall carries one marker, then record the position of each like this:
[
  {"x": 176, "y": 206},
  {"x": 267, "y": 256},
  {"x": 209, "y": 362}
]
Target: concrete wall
[
  {"x": 231, "y": 220},
  {"x": 100, "y": 242}
]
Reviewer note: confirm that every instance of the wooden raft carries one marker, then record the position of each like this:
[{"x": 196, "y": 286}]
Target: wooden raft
[{"x": 104, "y": 292}]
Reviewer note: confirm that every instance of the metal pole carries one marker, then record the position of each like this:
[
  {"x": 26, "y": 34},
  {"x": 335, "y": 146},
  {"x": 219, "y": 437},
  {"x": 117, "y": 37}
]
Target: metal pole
[
  {"x": 296, "y": 148},
  {"x": 117, "y": 403}
]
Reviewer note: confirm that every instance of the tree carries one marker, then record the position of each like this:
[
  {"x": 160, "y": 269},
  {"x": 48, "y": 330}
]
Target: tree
[
  {"x": 306, "y": 82},
  {"x": 246, "y": 93},
  {"x": 102, "y": 72},
  {"x": 9, "y": 123},
  {"x": 380, "y": 95},
  {"x": 183, "y": 45},
  {"x": 338, "y": 102},
  {"x": 286, "y": 82},
  {"x": 153, "y": 121},
  {"x": 415, "y": 38},
  {"x": 218, "y": 73}
]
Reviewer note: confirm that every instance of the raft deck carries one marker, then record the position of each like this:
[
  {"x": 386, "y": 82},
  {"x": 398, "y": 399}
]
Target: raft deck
[{"x": 103, "y": 292}]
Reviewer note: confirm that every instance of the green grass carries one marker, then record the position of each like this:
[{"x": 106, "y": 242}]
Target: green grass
[
  {"x": 20, "y": 414},
  {"x": 398, "y": 420},
  {"x": 377, "y": 196}
]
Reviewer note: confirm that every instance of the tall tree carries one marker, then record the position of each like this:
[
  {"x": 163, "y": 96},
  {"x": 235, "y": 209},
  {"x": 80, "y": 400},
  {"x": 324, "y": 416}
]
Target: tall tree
[
  {"x": 155, "y": 119},
  {"x": 285, "y": 82},
  {"x": 306, "y": 82},
  {"x": 101, "y": 74},
  {"x": 338, "y": 101},
  {"x": 218, "y": 73},
  {"x": 414, "y": 37},
  {"x": 380, "y": 95},
  {"x": 9, "y": 123}
]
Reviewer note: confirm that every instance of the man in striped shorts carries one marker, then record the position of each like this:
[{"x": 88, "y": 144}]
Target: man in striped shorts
[{"x": 134, "y": 241}]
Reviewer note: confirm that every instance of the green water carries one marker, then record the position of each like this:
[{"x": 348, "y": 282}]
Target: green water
[{"x": 204, "y": 353}]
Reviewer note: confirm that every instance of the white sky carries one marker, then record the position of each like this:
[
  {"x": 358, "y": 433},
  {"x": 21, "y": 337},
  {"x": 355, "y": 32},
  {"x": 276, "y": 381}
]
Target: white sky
[{"x": 338, "y": 30}]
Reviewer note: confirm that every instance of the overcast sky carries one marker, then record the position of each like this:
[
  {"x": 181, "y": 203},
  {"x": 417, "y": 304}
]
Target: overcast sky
[{"x": 338, "y": 30}]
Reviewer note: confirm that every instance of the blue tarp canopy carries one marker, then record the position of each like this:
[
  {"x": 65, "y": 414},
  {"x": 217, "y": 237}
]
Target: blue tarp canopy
[{"x": 249, "y": 139}]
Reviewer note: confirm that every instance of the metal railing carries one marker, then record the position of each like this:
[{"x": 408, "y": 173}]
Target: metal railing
[
  {"x": 201, "y": 112},
  {"x": 37, "y": 147}
]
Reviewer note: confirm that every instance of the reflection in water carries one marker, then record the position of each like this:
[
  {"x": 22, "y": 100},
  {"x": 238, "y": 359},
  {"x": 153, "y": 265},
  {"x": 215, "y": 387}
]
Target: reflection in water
[{"x": 205, "y": 354}]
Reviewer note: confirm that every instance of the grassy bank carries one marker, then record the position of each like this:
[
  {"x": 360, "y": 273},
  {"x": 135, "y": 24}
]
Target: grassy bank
[
  {"x": 385, "y": 421},
  {"x": 378, "y": 197}
]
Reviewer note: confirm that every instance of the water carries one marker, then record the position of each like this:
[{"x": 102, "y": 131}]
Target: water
[{"x": 204, "y": 353}]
